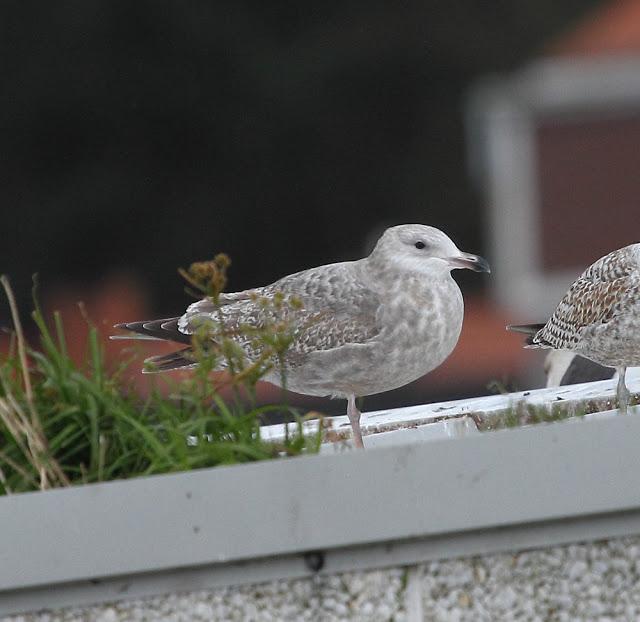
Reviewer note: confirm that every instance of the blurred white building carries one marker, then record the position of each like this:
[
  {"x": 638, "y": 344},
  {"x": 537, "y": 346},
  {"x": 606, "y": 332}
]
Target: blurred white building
[{"x": 556, "y": 151}]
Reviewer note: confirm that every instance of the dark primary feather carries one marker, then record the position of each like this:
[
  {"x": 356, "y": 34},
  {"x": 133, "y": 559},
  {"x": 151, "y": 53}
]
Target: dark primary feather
[
  {"x": 165, "y": 329},
  {"x": 166, "y": 362}
]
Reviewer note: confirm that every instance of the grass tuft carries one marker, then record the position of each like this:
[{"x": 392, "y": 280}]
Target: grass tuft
[{"x": 63, "y": 424}]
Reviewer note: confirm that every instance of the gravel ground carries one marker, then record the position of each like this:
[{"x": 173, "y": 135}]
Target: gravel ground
[
  {"x": 374, "y": 595},
  {"x": 596, "y": 581}
]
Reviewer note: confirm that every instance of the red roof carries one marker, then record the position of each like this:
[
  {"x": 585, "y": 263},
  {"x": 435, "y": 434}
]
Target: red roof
[{"x": 613, "y": 28}]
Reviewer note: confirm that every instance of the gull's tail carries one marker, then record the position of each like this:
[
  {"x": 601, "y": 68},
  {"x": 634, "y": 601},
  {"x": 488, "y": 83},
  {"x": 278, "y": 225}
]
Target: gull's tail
[
  {"x": 160, "y": 330},
  {"x": 155, "y": 330},
  {"x": 531, "y": 330}
]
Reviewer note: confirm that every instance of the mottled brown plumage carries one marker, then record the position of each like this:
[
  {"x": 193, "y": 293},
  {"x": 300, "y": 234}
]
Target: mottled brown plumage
[
  {"x": 599, "y": 317},
  {"x": 363, "y": 327}
]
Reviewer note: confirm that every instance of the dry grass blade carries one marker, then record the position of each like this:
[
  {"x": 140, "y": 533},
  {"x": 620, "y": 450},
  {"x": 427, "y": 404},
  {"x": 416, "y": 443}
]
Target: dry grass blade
[
  {"x": 28, "y": 427},
  {"x": 22, "y": 350},
  {"x": 14, "y": 465}
]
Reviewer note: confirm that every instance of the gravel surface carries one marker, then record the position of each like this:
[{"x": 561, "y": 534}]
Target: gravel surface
[
  {"x": 374, "y": 595},
  {"x": 597, "y": 581}
]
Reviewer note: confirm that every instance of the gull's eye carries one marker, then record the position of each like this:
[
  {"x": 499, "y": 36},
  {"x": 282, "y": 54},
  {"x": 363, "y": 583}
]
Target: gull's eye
[{"x": 420, "y": 245}]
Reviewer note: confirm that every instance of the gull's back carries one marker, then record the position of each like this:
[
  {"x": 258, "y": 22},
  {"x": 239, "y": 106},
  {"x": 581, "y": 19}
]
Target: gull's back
[
  {"x": 599, "y": 316},
  {"x": 336, "y": 309}
]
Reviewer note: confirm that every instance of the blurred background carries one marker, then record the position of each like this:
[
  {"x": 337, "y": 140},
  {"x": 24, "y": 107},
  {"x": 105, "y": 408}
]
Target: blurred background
[{"x": 140, "y": 137}]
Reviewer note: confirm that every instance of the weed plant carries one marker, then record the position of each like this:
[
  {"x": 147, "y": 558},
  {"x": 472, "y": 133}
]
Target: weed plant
[{"x": 63, "y": 423}]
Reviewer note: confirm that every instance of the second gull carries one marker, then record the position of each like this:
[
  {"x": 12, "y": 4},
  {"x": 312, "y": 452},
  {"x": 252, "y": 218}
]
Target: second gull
[{"x": 599, "y": 316}]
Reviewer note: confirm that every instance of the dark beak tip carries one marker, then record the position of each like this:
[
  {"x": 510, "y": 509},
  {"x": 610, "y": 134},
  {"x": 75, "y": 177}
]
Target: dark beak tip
[
  {"x": 481, "y": 265},
  {"x": 471, "y": 262}
]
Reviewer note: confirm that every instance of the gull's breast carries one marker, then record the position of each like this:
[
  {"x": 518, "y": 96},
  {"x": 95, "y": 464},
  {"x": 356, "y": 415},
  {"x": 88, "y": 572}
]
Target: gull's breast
[
  {"x": 422, "y": 327},
  {"x": 419, "y": 327}
]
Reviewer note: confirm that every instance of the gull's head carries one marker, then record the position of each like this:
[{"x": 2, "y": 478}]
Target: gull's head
[{"x": 420, "y": 248}]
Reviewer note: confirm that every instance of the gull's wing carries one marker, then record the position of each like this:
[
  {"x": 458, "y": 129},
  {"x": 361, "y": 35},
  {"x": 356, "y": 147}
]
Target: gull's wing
[
  {"x": 167, "y": 329},
  {"x": 598, "y": 296},
  {"x": 337, "y": 308}
]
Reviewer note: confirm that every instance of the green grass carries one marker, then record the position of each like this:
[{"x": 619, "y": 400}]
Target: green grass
[
  {"x": 524, "y": 413},
  {"x": 63, "y": 424}
]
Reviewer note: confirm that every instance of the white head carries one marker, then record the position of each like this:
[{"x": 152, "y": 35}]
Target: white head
[{"x": 419, "y": 248}]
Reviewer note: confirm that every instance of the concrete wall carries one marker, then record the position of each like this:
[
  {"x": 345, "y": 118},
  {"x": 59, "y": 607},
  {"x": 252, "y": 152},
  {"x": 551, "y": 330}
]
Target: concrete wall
[{"x": 592, "y": 581}]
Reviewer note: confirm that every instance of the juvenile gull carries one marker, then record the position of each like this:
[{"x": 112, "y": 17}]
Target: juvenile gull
[
  {"x": 599, "y": 317},
  {"x": 365, "y": 326}
]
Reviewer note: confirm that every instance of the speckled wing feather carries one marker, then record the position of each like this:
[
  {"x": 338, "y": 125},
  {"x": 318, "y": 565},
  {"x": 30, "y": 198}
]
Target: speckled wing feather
[
  {"x": 337, "y": 309},
  {"x": 594, "y": 299}
]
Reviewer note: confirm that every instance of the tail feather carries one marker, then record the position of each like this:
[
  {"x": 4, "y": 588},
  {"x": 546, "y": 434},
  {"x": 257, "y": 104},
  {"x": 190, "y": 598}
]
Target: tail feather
[
  {"x": 165, "y": 329},
  {"x": 531, "y": 330},
  {"x": 527, "y": 329}
]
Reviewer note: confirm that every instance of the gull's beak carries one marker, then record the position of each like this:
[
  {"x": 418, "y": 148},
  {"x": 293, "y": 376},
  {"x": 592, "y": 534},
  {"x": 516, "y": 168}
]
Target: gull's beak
[{"x": 471, "y": 262}]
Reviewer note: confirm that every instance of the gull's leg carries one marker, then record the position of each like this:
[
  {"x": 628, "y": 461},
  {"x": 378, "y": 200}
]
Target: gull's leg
[
  {"x": 354, "y": 418},
  {"x": 623, "y": 392}
]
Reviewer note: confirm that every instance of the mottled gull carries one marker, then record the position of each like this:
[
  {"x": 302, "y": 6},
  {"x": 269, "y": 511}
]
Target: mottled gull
[
  {"x": 599, "y": 317},
  {"x": 365, "y": 326}
]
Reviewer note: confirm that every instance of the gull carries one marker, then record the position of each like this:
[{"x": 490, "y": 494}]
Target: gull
[
  {"x": 599, "y": 317},
  {"x": 363, "y": 327},
  {"x": 562, "y": 367}
]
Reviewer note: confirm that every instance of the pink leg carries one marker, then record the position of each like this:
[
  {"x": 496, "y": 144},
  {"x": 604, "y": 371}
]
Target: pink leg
[{"x": 354, "y": 418}]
